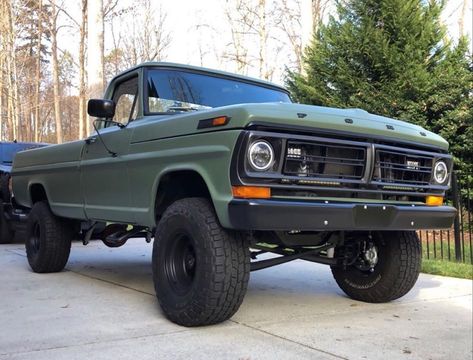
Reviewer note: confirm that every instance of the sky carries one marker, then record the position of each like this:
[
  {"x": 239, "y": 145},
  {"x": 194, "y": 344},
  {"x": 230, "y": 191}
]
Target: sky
[{"x": 184, "y": 20}]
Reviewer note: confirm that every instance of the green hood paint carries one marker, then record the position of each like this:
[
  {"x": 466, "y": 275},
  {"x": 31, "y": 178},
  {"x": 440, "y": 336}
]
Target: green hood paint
[{"x": 286, "y": 114}]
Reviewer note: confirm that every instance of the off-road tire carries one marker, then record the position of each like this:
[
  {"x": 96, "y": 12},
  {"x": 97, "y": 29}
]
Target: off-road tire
[
  {"x": 216, "y": 284},
  {"x": 6, "y": 232},
  {"x": 48, "y": 239},
  {"x": 397, "y": 270}
]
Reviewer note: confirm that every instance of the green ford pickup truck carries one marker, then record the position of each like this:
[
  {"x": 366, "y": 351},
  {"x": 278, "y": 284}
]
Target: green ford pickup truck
[{"x": 229, "y": 176}]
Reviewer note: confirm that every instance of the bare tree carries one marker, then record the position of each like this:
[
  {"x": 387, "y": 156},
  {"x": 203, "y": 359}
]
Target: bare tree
[
  {"x": 241, "y": 22},
  {"x": 2, "y": 116},
  {"x": 262, "y": 39},
  {"x": 289, "y": 21},
  {"x": 3, "y": 52},
  {"x": 9, "y": 68},
  {"x": 38, "y": 73},
  {"x": 461, "y": 18},
  {"x": 299, "y": 20},
  {"x": 137, "y": 42},
  {"x": 207, "y": 42},
  {"x": 81, "y": 25},
  {"x": 82, "y": 86},
  {"x": 53, "y": 30},
  {"x": 253, "y": 22},
  {"x": 318, "y": 10},
  {"x": 148, "y": 40},
  {"x": 19, "y": 22},
  {"x": 95, "y": 50}
]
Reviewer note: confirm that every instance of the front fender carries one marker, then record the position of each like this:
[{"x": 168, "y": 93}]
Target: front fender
[
  {"x": 220, "y": 191},
  {"x": 208, "y": 154}
]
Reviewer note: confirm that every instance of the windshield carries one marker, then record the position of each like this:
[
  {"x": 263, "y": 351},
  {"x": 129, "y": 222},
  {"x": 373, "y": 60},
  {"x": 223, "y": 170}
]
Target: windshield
[{"x": 177, "y": 91}]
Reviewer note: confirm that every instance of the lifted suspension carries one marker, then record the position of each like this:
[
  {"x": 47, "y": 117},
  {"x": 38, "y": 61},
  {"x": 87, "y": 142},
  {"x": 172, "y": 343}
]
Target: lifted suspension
[
  {"x": 287, "y": 255},
  {"x": 330, "y": 240}
]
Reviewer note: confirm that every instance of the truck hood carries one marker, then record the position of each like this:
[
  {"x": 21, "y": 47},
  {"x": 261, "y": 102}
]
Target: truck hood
[{"x": 354, "y": 121}]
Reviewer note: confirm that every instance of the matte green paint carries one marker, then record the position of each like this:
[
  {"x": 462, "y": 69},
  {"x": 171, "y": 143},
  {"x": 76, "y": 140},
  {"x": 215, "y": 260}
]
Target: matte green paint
[{"x": 80, "y": 179}]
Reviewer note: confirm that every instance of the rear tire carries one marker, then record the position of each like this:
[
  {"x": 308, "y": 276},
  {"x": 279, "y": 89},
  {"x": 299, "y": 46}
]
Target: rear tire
[
  {"x": 6, "y": 232},
  {"x": 48, "y": 240},
  {"x": 200, "y": 270},
  {"x": 396, "y": 271}
]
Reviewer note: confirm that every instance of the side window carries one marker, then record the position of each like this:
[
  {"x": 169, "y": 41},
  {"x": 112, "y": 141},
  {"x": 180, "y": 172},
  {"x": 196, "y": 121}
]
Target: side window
[{"x": 125, "y": 97}]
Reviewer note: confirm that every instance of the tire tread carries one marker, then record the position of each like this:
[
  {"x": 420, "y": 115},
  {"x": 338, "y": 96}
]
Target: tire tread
[
  {"x": 228, "y": 277},
  {"x": 55, "y": 244},
  {"x": 401, "y": 275}
]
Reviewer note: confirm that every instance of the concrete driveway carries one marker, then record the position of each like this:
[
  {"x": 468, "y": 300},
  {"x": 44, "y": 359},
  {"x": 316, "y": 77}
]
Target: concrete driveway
[{"x": 103, "y": 307}]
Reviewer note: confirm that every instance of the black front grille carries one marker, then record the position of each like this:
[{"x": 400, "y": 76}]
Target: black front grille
[
  {"x": 315, "y": 166},
  {"x": 324, "y": 161},
  {"x": 401, "y": 167}
]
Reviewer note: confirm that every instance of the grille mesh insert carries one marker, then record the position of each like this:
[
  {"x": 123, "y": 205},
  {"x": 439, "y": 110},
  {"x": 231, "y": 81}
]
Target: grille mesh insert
[
  {"x": 402, "y": 167},
  {"x": 326, "y": 161}
]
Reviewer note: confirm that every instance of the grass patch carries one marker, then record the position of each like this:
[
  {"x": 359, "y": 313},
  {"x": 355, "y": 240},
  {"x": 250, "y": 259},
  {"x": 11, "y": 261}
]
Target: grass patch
[{"x": 447, "y": 268}]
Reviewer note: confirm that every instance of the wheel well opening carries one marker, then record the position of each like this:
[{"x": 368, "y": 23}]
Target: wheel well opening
[
  {"x": 179, "y": 185},
  {"x": 37, "y": 193}
]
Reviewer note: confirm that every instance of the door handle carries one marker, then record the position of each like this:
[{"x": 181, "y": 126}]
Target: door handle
[{"x": 91, "y": 140}]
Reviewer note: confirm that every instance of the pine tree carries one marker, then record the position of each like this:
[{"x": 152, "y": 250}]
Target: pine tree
[{"x": 391, "y": 57}]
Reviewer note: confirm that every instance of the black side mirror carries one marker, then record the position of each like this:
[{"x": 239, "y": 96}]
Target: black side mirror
[{"x": 101, "y": 108}]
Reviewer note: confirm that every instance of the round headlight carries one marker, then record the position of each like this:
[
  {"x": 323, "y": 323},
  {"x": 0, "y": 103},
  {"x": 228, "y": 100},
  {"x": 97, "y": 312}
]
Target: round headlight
[
  {"x": 261, "y": 155},
  {"x": 440, "y": 172}
]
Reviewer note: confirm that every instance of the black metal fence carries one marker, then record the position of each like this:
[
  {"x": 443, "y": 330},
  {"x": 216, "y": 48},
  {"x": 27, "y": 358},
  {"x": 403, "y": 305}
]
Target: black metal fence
[{"x": 454, "y": 244}]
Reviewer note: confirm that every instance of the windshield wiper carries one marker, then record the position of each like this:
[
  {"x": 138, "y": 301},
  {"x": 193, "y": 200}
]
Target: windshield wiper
[{"x": 182, "y": 108}]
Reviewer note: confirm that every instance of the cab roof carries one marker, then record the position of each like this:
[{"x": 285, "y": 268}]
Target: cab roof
[{"x": 157, "y": 64}]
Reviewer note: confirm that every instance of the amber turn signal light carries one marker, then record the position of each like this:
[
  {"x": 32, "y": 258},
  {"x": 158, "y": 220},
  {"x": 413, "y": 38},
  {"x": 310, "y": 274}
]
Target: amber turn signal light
[
  {"x": 251, "y": 192},
  {"x": 432, "y": 200},
  {"x": 217, "y": 121}
]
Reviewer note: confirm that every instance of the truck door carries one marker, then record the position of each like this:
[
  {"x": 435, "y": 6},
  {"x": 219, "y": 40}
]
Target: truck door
[{"x": 104, "y": 176}]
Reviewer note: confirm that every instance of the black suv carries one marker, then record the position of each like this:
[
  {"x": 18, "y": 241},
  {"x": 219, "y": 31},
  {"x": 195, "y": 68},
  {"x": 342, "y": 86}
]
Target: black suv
[{"x": 8, "y": 225}]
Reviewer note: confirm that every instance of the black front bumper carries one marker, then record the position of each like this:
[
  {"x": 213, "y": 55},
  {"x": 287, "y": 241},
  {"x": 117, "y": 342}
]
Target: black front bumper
[{"x": 316, "y": 216}]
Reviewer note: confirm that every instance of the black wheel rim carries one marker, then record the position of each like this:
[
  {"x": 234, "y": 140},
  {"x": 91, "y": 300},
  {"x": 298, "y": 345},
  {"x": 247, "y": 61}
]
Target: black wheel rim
[
  {"x": 35, "y": 237},
  {"x": 180, "y": 264}
]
